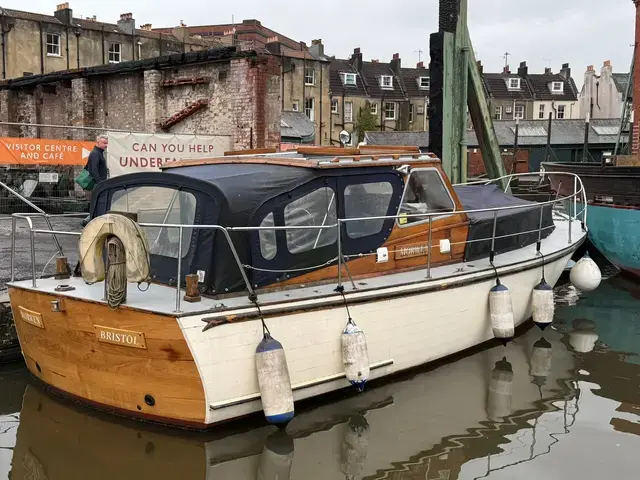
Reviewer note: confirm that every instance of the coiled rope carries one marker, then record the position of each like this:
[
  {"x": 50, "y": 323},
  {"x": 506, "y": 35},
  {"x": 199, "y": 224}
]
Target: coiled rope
[{"x": 116, "y": 289}]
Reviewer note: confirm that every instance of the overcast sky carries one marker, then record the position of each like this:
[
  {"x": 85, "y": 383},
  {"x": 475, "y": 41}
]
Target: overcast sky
[{"x": 541, "y": 32}]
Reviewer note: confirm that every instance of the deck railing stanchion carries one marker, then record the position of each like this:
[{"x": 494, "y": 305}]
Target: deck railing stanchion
[
  {"x": 570, "y": 219},
  {"x": 575, "y": 197},
  {"x": 339, "y": 256},
  {"x": 178, "y": 280},
  {"x": 14, "y": 221},
  {"x": 429, "y": 248},
  {"x": 33, "y": 253},
  {"x": 493, "y": 237},
  {"x": 540, "y": 229}
]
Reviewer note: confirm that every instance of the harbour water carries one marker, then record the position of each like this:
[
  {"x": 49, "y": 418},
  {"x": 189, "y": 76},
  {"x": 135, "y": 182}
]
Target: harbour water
[{"x": 558, "y": 404}]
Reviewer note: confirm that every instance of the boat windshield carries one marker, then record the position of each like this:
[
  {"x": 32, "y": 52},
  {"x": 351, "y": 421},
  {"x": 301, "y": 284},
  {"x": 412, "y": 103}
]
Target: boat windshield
[{"x": 425, "y": 193}]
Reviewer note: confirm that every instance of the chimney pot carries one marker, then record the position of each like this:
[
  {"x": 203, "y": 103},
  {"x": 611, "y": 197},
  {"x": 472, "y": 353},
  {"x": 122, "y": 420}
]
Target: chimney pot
[
  {"x": 506, "y": 69},
  {"x": 523, "y": 64},
  {"x": 607, "y": 63},
  {"x": 420, "y": 65},
  {"x": 356, "y": 51},
  {"x": 396, "y": 56}
]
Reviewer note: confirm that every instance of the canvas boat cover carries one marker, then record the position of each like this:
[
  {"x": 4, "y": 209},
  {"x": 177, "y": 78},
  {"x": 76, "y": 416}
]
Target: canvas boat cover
[{"x": 509, "y": 223}]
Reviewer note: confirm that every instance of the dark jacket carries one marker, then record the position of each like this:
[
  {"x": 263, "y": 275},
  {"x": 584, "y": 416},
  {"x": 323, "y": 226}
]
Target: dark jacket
[{"x": 97, "y": 165}]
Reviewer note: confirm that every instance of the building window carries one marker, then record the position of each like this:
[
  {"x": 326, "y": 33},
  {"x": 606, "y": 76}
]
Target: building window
[
  {"x": 348, "y": 111},
  {"x": 334, "y": 106},
  {"x": 317, "y": 208},
  {"x": 114, "y": 53},
  {"x": 519, "y": 112},
  {"x": 425, "y": 192},
  {"x": 374, "y": 108},
  {"x": 295, "y": 106},
  {"x": 424, "y": 82},
  {"x": 53, "y": 44},
  {"x": 514, "y": 84},
  {"x": 349, "y": 78},
  {"x": 390, "y": 111},
  {"x": 556, "y": 87},
  {"x": 498, "y": 114},
  {"x": 560, "y": 111},
  {"x": 411, "y": 113},
  {"x": 541, "y": 112},
  {"x": 309, "y": 109},
  {"x": 386, "y": 81},
  {"x": 309, "y": 76}
]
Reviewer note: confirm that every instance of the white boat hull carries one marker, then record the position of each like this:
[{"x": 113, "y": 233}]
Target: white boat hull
[{"x": 402, "y": 332}]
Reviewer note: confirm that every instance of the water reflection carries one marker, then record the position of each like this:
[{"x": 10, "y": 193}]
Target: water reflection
[{"x": 530, "y": 409}]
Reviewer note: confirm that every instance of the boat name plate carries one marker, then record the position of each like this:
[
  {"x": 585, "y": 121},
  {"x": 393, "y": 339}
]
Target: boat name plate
[
  {"x": 409, "y": 251},
  {"x": 31, "y": 317},
  {"x": 124, "y": 338}
]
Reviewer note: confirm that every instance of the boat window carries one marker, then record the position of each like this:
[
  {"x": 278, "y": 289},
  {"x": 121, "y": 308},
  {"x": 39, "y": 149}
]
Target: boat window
[
  {"x": 366, "y": 200},
  {"x": 314, "y": 209},
  {"x": 425, "y": 192},
  {"x": 163, "y": 206},
  {"x": 268, "y": 245}
]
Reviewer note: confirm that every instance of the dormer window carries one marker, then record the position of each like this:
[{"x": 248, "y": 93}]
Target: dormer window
[
  {"x": 514, "y": 84},
  {"x": 349, "y": 78},
  {"x": 557, "y": 87},
  {"x": 424, "y": 82},
  {"x": 386, "y": 81}
]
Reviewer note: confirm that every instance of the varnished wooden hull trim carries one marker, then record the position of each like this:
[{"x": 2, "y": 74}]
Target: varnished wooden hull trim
[{"x": 108, "y": 409}]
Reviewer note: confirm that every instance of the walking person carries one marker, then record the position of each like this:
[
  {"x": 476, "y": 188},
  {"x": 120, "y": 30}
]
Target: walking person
[{"x": 95, "y": 171}]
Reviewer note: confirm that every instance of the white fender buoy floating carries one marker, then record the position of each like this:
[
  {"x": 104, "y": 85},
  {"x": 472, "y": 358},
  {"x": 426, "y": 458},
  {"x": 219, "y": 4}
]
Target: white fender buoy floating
[
  {"x": 274, "y": 382},
  {"x": 540, "y": 368},
  {"x": 355, "y": 356},
  {"x": 500, "y": 391},
  {"x": 354, "y": 446},
  {"x": 276, "y": 458},
  {"x": 501, "y": 311},
  {"x": 543, "y": 304},
  {"x": 585, "y": 274}
]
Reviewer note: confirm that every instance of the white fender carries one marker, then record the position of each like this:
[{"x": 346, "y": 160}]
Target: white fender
[{"x": 92, "y": 241}]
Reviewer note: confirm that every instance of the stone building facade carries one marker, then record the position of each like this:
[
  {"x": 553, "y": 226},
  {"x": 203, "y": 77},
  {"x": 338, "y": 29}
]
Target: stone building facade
[
  {"x": 234, "y": 93},
  {"x": 397, "y": 97},
  {"x": 34, "y": 43}
]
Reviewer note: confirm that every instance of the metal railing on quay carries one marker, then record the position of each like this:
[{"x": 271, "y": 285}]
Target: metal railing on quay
[{"x": 572, "y": 216}]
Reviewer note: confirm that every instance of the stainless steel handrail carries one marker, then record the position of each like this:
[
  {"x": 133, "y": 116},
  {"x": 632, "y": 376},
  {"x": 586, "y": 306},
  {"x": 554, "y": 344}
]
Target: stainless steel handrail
[{"x": 225, "y": 230}]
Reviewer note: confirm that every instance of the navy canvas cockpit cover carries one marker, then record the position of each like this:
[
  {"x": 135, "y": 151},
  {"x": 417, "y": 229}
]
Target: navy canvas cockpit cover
[{"x": 508, "y": 223}]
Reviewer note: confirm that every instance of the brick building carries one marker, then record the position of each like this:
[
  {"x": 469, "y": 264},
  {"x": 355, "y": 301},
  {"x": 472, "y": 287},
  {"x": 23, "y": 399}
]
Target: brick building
[
  {"x": 217, "y": 91},
  {"x": 397, "y": 97},
  {"x": 34, "y": 43}
]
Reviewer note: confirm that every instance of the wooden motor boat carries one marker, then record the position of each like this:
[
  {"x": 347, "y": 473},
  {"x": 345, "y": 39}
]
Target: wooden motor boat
[{"x": 250, "y": 282}]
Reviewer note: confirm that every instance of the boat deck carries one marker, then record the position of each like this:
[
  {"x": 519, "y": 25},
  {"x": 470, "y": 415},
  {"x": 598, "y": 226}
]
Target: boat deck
[{"x": 161, "y": 299}]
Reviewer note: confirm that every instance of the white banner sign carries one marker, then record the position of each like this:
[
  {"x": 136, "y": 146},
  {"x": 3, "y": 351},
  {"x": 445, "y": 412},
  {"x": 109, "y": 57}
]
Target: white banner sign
[{"x": 146, "y": 152}]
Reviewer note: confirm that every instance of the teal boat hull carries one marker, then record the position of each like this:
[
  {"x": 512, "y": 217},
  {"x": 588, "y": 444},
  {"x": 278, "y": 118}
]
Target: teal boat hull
[{"x": 615, "y": 232}]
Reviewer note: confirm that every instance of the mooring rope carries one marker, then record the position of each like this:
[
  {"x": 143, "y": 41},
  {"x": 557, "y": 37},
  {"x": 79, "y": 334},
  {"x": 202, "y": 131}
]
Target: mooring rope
[{"x": 116, "y": 273}]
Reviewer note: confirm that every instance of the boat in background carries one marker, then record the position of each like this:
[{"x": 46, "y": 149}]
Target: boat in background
[
  {"x": 613, "y": 199},
  {"x": 212, "y": 263}
]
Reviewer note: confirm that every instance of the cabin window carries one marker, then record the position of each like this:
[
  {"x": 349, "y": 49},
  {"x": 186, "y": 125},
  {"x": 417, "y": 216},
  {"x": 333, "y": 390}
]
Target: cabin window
[
  {"x": 268, "y": 245},
  {"x": 425, "y": 192},
  {"x": 314, "y": 209},
  {"x": 160, "y": 205},
  {"x": 366, "y": 200}
]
